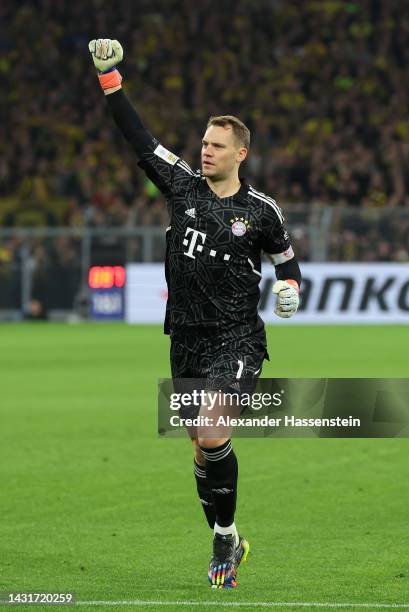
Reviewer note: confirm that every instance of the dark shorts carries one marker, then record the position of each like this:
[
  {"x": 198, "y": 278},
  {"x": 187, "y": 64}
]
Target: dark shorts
[{"x": 231, "y": 366}]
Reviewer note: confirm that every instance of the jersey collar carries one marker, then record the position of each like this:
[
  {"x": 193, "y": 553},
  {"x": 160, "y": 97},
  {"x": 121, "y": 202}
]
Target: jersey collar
[{"x": 240, "y": 195}]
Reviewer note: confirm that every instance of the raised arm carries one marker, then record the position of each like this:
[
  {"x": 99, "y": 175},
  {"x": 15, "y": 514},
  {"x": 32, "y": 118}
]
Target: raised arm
[
  {"x": 163, "y": 167},
  {"x": 107, "y": 54}
]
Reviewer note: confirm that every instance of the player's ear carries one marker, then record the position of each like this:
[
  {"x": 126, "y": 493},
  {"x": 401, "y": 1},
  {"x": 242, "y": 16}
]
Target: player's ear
[{"x": 242, "y": 154}]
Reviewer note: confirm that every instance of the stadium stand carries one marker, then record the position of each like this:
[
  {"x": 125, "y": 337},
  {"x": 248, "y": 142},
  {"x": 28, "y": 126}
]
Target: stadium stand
[{"x": 322, "y": 85}]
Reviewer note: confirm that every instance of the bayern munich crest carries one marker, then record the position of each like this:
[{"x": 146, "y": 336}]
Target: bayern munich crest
[{"x": 240, "y": 226}]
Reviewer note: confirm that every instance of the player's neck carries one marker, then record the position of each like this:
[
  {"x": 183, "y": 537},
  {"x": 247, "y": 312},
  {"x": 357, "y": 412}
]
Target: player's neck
[{"x": 225, "y": 187}]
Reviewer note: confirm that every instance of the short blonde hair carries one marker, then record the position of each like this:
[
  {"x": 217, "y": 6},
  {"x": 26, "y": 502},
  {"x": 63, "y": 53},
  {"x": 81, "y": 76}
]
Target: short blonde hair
[{"x": 241, "y": 132}]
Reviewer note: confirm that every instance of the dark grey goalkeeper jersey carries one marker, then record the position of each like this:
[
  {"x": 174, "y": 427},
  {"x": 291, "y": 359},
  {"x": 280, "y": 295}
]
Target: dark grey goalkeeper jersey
[{"x": 214, "y": 245}]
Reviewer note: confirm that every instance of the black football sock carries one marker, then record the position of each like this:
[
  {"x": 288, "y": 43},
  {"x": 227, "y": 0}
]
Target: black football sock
[
  {"x": 221, "y": 474},
  {"x": 205, "y": 494}
]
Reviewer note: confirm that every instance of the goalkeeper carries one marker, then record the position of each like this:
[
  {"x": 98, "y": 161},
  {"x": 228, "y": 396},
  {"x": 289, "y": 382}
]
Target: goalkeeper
[{"x": 219, "y": 226}]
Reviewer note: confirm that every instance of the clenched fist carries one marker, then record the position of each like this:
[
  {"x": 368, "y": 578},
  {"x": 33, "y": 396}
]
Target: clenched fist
[
  {"x": 287, "y": 298},
  {"x": 106, "y": 53}
]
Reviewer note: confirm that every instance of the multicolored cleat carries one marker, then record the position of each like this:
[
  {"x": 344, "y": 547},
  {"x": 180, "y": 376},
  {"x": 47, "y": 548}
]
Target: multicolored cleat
[{"x": 225, "y": 561}]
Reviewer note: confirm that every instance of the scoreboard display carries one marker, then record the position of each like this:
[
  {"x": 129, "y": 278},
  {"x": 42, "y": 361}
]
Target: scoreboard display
[{"x": 107, "y": 284}]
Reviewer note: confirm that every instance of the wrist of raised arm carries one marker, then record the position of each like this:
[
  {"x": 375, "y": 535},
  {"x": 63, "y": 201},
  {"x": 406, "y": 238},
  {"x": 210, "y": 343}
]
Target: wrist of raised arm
[
  {"x": 110, "y": 80},
  {"x": 112, "y": 90}
]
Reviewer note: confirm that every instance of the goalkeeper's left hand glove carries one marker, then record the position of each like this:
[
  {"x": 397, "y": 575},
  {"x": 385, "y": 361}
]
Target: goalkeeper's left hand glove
[{"x": 287, "y": 298}]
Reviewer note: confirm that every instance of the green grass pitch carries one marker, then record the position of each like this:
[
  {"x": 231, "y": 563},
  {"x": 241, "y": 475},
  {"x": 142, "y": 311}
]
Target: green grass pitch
[{"x": 93, "y": 502}]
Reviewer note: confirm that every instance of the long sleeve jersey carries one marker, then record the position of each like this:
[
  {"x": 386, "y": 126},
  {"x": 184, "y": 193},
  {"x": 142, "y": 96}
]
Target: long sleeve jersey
[{"x": 213, "y": 244}]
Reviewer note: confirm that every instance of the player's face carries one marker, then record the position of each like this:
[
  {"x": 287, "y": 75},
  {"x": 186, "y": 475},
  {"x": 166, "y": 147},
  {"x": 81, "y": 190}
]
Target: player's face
[{"x": 221, "y": 154}]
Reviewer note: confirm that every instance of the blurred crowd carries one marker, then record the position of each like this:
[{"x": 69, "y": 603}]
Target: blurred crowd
[{"x": 322, "y": 84}]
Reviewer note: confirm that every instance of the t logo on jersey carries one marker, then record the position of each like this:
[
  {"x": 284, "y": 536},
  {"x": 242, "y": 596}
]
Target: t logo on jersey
[{"x": 193, "y": 240}]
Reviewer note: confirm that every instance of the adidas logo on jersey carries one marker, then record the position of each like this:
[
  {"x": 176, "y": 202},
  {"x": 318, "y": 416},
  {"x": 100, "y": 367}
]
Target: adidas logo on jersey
[{"x": 191, "y": 212}]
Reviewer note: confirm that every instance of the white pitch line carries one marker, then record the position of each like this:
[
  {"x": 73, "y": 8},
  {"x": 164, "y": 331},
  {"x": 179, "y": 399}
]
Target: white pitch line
[{"x": 242, "y": 604}]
